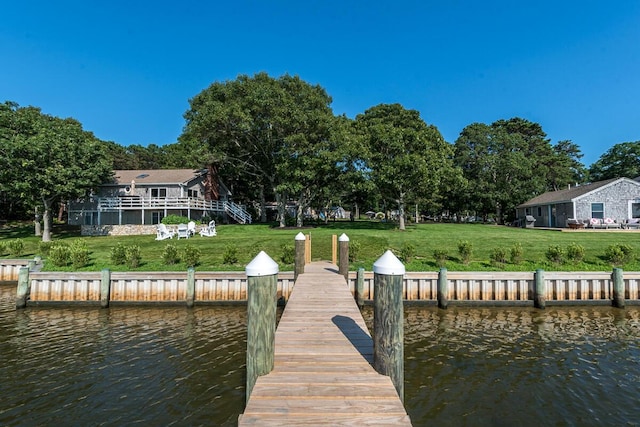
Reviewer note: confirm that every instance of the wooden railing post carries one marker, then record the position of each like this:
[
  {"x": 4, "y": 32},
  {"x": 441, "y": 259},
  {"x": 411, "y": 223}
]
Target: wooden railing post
[
  {"x": 23, "y": 287},
  {"x": 443, "y": 289},
  {"x": 618, "y": 288},
  {"x": 191, "y": 287},
  {"x": 539, "y": 299},
  {"x": 343, "y": 249},
  {"x": 388, "y": 320},
  {"x": 262, "y": 284},
  {"x": 360, "y": 287},
  {"x": 299, "y": 260},
  {"x": 105, "y": 288}
]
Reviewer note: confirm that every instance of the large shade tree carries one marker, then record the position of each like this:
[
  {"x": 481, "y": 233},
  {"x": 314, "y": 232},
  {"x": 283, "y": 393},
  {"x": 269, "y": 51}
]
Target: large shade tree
[
  {"x": 47, "y": 159},
  {"x": 621, "y": 160},
  {"x": 406, "y": 158},
  {"x": 275, "y": 132}
]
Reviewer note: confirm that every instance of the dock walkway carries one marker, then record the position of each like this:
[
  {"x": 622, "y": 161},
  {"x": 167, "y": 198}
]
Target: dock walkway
[{"x": 323, "y": 373}]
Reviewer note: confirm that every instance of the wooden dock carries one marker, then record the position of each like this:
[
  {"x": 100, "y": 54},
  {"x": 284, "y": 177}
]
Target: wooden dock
[{"x": 323, "y": 373}]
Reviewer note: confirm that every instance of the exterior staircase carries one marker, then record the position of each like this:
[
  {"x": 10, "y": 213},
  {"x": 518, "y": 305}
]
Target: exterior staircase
[{"x": 237, "y": 212}]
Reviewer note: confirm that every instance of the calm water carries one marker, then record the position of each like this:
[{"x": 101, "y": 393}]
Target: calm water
[{"x": 181, "y": 367}]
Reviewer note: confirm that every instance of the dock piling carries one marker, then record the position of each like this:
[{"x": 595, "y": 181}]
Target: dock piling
[
  {"x": 443, "y": 289},
  {"x": 23, "y": 287},
  {"x": 299, "y": 260},
  {"x": 343, "y": 250},
  {"x": 539, "y": 292},
  {"x": 618, "y": 288}
]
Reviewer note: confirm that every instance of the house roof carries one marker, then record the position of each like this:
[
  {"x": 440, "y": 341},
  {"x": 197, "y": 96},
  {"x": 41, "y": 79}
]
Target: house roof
[
  {"x": 568, "y": 194},
  {"x": 156, "y": 176}
]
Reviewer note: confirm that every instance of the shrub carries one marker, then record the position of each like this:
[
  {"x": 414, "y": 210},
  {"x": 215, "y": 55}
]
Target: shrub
[
  {"x": 170, "y": 254},
  {"x": 44, "y": 247},
  {"x": 118, "y": 254},
  {"x": 618, "y": 254},
  {"x": 516, "y": 253},
  {"x": 3, "y": 248},
  {"x": 407, "y": 252},
  {"x": 230, "y": 255},
  {"x": 555, "y": 254},
  {"x": 498, "y": 256},
  {"x": 79, "y": 254},
  {"x": 575, "y": 253},
  {"x": 465, "y": 249},
  {"x": 133, "y": 256},
  {"x": 191, "y": 255},
  {"x": 354, "y": 250},
  {"x": 441, "y": 256},
  {"x": 288, "y": 255},
  {"x": 175, "y": 219},
  {"x": 16, "y": 247},
  {"x": 59, "y": 255}
]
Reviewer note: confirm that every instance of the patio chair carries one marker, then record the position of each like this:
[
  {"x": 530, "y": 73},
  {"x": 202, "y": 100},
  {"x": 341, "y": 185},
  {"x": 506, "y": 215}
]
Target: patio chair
[
  {"x": 162, "y": 232},
  {"x": 209, "y": 230},
  {"x": 191, "y": 228},
  {"x": 183, "y": 231}
]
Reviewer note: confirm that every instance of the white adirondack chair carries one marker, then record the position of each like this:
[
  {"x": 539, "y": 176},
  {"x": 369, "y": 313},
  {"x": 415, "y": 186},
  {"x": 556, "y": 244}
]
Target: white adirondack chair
[
  {"x": 209, "y": 230},
  {"x": 162, "y": 232},
  {"x": 183, "y": 231},
  {"x": 191, "y": 228}
]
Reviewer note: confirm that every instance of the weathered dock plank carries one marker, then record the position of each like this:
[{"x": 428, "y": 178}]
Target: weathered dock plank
[{"x": 322, "y": 372}]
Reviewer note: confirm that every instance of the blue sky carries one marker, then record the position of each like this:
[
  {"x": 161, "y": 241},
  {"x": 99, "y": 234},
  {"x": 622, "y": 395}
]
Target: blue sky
[{"x": 126, "y": 69}]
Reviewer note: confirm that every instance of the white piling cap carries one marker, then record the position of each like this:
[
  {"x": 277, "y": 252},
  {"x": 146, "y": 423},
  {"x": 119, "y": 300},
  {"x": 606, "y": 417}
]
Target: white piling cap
[
  {"x": 300, "y": 236},
  {"x": 262, "y": 265},
  {"x": 343, "y": 238},
  {"x": 388, "y": 264}
]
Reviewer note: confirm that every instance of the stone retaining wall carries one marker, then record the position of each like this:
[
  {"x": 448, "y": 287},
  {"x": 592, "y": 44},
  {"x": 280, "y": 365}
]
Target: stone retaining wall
[{"x": 117, "y": 230}]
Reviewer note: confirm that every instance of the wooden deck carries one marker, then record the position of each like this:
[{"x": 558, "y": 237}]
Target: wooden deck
[{"x": 323, "y": 373}]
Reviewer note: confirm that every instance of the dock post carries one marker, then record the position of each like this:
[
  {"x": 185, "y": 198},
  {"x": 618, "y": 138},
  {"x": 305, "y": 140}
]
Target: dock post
[
  {"x": 388, "y": 320},
  {"x": 360, "y": 287},
  {"x": 539, "y": 291},
  {"x": 443, "y": 291},
  {"x": 262, "y": 286},
  {"x": 343, "y": 249},
  {"x": 105, "y": 288},
  {"x": 191, "y": 287},
  {"x": 23, "y": 287},
  {"x": 299, "y": 259},
  {"x": 618, "y": 288}
]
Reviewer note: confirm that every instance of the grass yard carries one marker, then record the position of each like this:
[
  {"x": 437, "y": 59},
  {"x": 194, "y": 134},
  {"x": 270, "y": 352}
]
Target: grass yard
[{"x": 373, "y": 238}]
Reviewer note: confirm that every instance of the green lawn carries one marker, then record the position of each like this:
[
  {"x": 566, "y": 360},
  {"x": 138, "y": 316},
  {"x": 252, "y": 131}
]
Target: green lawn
[{"x": 372, "y": 237}]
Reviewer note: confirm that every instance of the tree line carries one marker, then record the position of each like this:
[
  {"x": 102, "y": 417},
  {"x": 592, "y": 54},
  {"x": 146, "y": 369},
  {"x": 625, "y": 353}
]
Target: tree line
[{"x": 278, "y": 140}]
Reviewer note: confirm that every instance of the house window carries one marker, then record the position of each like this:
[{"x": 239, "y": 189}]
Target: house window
[
  {"x": 635, "y": 210},
  {"x": 91, "y": 218},
  {"x": 192, "y": 193},
  {"x": 156, "y": 217},
  {"x": 597, "y": 210},
  {"x": 158, "y": 192},
  {"x": 539, "y": 211}
]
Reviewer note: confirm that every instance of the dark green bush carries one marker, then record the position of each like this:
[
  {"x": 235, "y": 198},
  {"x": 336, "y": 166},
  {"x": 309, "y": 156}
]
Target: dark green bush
[
  {"x": 288, "y": 255},
  {"x": 133, "y": 256},
  {"x": 16, "y": 247},
  {"x": 498, "y": 256},
  {"x": 575, "y": 253},
  {"x": 465, "y": 249},
  {"x": 230, "y": 255},
  {"x": 60, "y": 255},
  {"x": 618, "y": 254},
  {"x": 118, "y": 254},
  {"x": 175, "y": 219},
  {"x": 555, "y": 254},
  {"x": 44, "y": 247},
  {"x": 3, "y": 248},
  {"x": 170, "y": 254},
  {"x": 441, "y": 256},
  {"x": 516, "y": 253},
  {"x": 191, "y": 255},
  {"x": 79, "y": 254},
  {"x": 407, "y": 252}
]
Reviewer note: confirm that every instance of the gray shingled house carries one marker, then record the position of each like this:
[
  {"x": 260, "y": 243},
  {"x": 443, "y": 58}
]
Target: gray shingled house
[{"x": 617, "y": 199}]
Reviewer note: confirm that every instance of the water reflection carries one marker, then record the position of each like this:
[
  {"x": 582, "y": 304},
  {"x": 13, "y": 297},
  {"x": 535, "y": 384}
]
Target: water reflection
[{"x": 185, "y": 367}]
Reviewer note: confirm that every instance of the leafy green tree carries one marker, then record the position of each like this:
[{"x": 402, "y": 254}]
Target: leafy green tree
[
  {"x": 263, "y": 128},
  {"x": 621, "y": 160},
  {"x": 46, "y": 159},
  {"x": 406, "y": 157}
]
